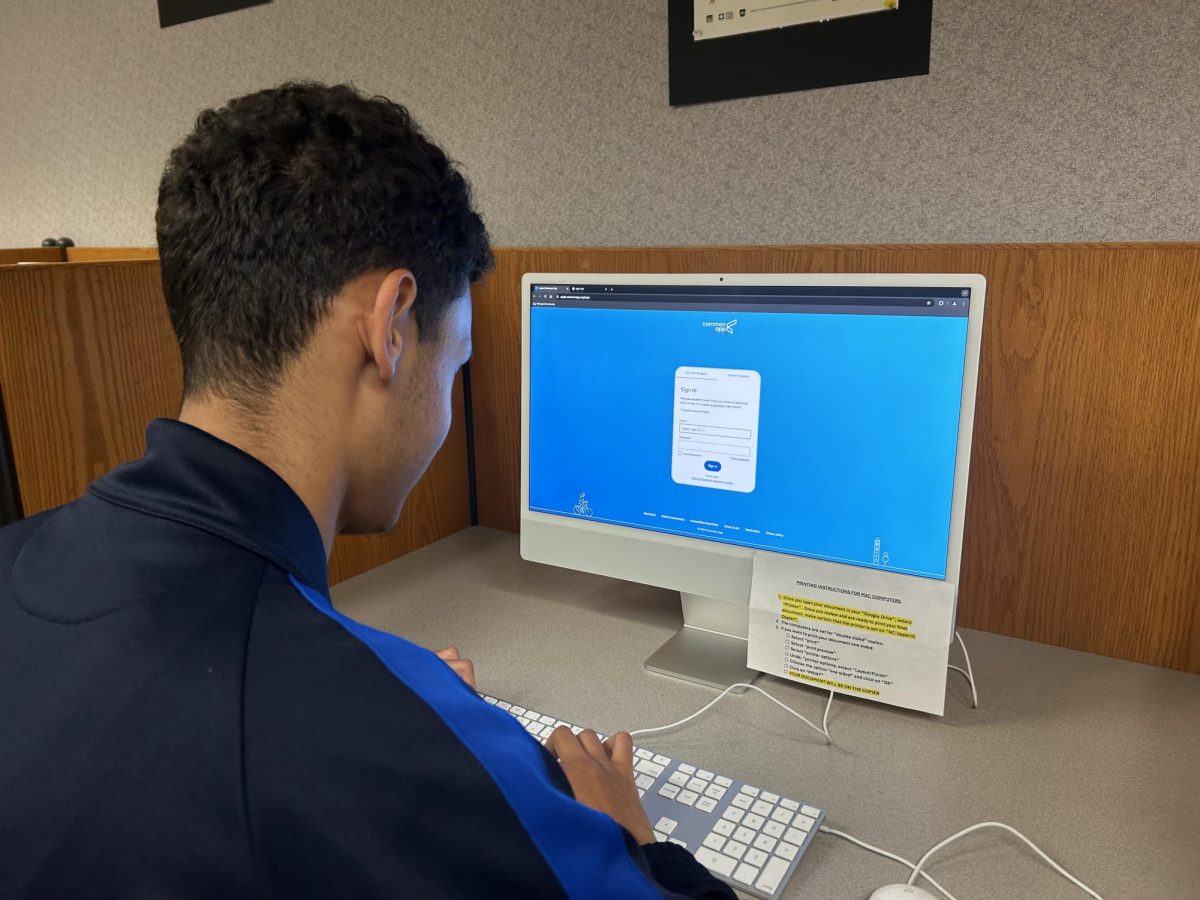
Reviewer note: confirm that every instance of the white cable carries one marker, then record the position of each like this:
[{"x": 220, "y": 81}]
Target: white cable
[
  {"x": 825, "y": 719},
  {"x": 713, "y": 702},
  {"x": 970, "y": 673},
  {"x": 1036, "y": 849},
  {"x": 884, "y": 853}
]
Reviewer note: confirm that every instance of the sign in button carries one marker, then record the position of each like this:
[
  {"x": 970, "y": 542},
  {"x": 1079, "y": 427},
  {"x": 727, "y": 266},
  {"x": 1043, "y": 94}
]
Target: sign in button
[{"x": 712, "y": 465}]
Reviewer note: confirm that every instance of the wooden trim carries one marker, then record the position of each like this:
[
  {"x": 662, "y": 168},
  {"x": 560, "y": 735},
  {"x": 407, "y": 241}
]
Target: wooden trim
[
  {"x": 105, "y": 254},
  {"x": 13, "y": 256}
]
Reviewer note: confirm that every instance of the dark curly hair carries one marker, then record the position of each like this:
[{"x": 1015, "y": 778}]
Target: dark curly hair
[{"x": 277, "y": 200}]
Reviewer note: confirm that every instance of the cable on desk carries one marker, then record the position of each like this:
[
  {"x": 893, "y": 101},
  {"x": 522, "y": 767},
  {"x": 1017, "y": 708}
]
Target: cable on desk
[
  {"x": 823, "y": 731},
  {"x": 900, "y": 859},
  {"x": 969, "y": 674},
  {"x": 1036, "y": 849}
]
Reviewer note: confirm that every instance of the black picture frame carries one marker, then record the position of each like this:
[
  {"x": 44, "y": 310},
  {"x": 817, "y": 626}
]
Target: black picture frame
[
  {"x": 176, "y": 12},
  {"x": 801, "y": 57}
]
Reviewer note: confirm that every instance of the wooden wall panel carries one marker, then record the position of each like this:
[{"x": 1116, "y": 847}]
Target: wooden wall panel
[
  {"x": 1083, "y": 512},
  {"x": 12, "y": 256},
  {"x": 87, "y": 359},
  {"x": 110, "y": 254}
]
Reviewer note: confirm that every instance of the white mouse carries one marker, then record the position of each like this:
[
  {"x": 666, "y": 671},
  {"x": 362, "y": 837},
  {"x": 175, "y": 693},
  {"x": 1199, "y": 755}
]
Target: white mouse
[{"x": 901, "y": 892}]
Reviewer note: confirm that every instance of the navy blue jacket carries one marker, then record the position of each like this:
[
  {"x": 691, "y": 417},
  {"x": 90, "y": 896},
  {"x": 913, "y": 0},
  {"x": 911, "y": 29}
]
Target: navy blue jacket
[{"x": 184, "y": 713}]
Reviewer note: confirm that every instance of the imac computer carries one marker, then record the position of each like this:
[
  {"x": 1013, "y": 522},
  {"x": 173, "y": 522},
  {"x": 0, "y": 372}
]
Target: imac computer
[{"x": 675, "y": 425}]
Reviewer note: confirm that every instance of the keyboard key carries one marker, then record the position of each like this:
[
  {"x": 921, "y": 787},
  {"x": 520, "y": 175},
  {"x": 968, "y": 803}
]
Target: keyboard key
[
  {"x": 734, "y": 849},
  {"x": 714, "y": 841},
  {"x": 644, "y": 765},
  {"x": 769, "y": 797},
  {"x": 576, "y": 729},
  {"x": 645, "y": 782},
  {"x": 641, "y": 792},
  {"x": 643, "y": 754},
  {"x": 741, "y": 801},
  {"x": 659, "y": 836},
  {"x": 715, "y": 791},
  {"x": 547, "y": 720},
  {"x": 489, "y": 700},
  {"x": 705, "y": 774},
  {"x": 752, "y": 791},
  {"x": 715, "y": 862},
  {"x": 765, "y": 843},
  {"x": 724, "y": 827},
  {"x": 561, "y": 724},
  {"x": 547, "y": 730},
  {"x": 504, "y": 704},
  {"x": 787, "y": 851},
  {"x": 678, "y": 841},
  {"x": 745, "y": 873},
  {"x": 761, "y": 808},
  {"x": 688, "y": 798},
  {"x": 706, "y": 804},
  {"x": 804, "y": 823},
  {"x": 534, "y": 728},
  {"x": 789, "y": 804},
  {"x": 811, "y": 812},
  {"x": 753, "y": 821},
  {"x": 744, "y": 835},
  {"x": 756, "y": 857},
  {"x": 530, "y": 714},
  {"x": 517, "y": 710},
  {"x": 669, "y": 791},
  {"x": 733, "y": 814},
  {"x": 662, "y": 760},
  {"x": 686, "y": 769},
  {"x": 697, "y": 785},
  {"x": 772, "y": 875},
  {"x": 781, "y": 815},
  {"x": 665, "y": 825},
  {"x": 795, "y": 836},
  {"x": 723, "y": 781},
  {"x": 774, "y": 829},
  {"x": 678, "y": 778}
]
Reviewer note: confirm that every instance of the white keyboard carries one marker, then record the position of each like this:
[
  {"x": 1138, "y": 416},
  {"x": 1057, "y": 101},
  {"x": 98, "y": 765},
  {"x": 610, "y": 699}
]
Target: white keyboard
[{"x": 749, "y": 838}]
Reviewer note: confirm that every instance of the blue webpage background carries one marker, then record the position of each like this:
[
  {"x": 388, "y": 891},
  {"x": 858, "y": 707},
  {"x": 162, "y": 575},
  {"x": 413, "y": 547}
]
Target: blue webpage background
[{"x": 858, "y": 427}]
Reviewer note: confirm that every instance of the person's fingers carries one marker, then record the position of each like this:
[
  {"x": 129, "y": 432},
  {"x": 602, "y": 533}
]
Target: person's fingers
[
  {"x": 620, "y": 748},
  {"x": 465, "y": 669},
  {"x": 447, "y": 653},
  {"x": 564, "y": 744},
  {"x": 591, "y": 743}
]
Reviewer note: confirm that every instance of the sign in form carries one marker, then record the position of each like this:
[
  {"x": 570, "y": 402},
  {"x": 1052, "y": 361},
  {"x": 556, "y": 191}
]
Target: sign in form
[{"x": 715, "y": 443}]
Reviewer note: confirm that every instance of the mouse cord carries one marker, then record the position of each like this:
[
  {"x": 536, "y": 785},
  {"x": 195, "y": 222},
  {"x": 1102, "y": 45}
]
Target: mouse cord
[
  {"x": 904, "y": 862},
  {"x": 1036, "y": 849},
  {"x": 823, "y": 729}
]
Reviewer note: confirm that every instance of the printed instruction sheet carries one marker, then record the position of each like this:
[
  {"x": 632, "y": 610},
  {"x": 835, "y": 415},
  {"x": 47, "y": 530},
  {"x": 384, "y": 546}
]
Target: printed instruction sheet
[{"x": 854, "y": 630}]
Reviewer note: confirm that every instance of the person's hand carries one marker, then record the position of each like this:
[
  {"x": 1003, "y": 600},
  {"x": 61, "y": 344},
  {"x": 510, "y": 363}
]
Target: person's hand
[
  {"x": 464, "y": 667},
  {"x": 601, "y": 775}
]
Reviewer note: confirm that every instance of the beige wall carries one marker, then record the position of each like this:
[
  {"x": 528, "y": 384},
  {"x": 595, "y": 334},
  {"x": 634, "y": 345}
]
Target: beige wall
[{"x": 1067, "y": 120}]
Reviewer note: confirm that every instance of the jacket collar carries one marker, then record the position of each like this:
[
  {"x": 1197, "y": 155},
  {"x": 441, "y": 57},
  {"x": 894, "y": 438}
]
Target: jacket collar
[{"x": 189, "y": 476}]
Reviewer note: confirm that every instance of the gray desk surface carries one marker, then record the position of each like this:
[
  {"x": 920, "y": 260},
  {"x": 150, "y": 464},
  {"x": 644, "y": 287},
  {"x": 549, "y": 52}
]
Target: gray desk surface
[{"x": 1094, "y": 759}]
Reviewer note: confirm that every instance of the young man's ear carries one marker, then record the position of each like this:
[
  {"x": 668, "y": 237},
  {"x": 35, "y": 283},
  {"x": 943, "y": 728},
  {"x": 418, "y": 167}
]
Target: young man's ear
[{"x": 391, "y": 326}]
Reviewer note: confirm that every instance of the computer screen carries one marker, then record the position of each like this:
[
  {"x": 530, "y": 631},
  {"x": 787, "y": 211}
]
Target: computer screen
[{"x": 814, "y": 419}]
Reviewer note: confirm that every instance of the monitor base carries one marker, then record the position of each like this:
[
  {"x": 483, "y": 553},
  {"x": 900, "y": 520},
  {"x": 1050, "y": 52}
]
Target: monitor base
[{"x": 705, "y": 657}]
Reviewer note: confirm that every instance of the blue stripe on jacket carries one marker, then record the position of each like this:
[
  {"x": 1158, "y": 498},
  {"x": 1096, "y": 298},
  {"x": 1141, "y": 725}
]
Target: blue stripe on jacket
[{"x": 585, "y": 849}]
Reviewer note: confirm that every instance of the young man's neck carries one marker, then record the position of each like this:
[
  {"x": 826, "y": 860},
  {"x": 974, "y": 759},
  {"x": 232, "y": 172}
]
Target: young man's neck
[{"x": 290, "y": 445}]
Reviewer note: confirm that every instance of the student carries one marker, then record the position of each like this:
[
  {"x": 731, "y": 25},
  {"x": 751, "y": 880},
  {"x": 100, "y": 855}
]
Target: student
[{"x": 182, "y": 710}]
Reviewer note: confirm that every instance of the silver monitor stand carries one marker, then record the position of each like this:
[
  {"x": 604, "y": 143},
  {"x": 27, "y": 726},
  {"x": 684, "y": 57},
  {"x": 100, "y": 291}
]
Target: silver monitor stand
[{"x": 710, "y": 648}]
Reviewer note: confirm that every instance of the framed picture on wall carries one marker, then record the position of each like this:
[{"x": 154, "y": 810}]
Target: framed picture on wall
[{"x": 726, "y": 49}]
